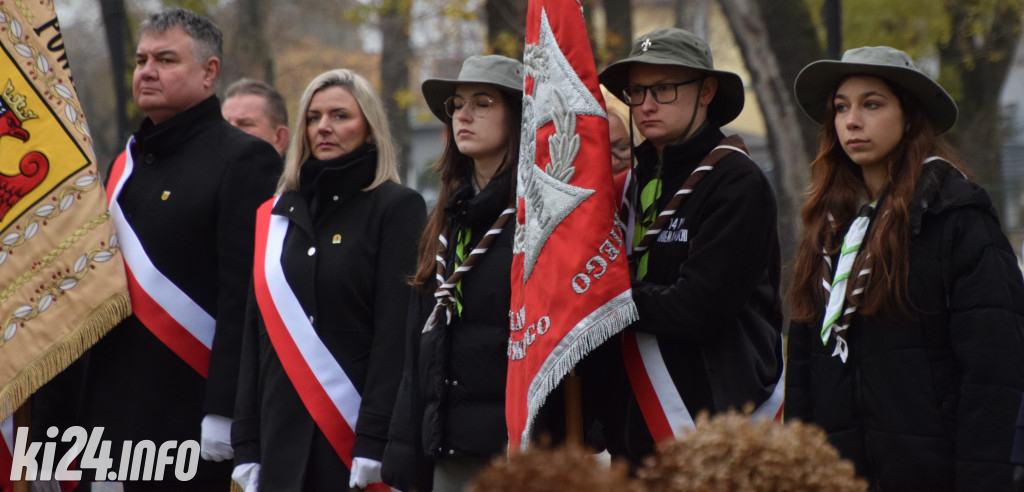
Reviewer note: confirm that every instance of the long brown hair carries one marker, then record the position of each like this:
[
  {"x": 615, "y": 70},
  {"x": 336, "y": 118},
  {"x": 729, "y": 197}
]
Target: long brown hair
[
  {"x": 456, "y": 168},
  {"x": 837, "y": 187}
]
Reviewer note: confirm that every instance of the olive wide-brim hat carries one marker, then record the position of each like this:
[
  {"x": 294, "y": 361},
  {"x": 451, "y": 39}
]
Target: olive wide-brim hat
[
  {"x": 816, "y": 84},
  {"x": 681, "y": 48},
  {"x": 498, "y": 70}
]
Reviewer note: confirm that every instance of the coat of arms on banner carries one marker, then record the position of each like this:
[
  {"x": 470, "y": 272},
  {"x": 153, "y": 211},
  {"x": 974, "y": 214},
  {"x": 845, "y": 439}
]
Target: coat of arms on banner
[
  {"x": 60, "y": 288},
  {"x": 570, "y": 279}
]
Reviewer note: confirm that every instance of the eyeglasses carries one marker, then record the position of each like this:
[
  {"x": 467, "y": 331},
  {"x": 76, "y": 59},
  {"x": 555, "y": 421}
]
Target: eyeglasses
[
  {"x": 479, "y": 105},
  {"x": 663, "y": 93},
  {"x": 621, "y": 151}
]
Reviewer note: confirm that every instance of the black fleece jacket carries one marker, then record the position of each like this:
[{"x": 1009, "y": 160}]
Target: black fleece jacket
[{"x": 710, "y": 294}]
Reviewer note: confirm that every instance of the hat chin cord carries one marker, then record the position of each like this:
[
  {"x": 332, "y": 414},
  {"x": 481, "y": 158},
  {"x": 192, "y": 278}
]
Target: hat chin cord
[{"x": 693, "y": 116}]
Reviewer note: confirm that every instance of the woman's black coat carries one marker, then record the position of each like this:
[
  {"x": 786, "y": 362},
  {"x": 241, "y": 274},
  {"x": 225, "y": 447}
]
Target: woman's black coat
[
  {"x": 355, "y": 292},
  {"x": 929, "y": 403}
]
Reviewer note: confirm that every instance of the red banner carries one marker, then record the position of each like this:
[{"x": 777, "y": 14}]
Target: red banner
[{"x": 570, "y": 277}]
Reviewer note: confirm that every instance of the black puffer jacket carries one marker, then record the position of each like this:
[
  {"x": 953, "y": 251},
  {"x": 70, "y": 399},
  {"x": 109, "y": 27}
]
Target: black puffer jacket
[
  {"x": 451, "y": 402},
  {"x": 931, "y": 403}
]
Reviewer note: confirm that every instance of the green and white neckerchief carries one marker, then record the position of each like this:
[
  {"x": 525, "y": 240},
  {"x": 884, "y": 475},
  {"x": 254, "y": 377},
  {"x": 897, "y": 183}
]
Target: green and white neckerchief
[
  {"x": 648, "y": 213},
  {"x": 461, "y": 251},
  {"x": 447, "y": 288},
  {"x": 652, "y": 222},
  {"x": 837, "y": 315}
]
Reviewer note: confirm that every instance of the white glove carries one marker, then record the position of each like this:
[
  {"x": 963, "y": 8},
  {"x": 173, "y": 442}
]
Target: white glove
[
  {"x": 247, "y": 475},
  {"x": 364, "y": 472},
  {"x": 215, "y": 443}
]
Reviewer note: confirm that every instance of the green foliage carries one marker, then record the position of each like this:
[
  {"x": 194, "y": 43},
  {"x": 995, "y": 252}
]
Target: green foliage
[
  {"x": 458, "y": 10},
  {"x": 507, "y": 44},
  {"x": 980, "y": 22},
  {"x": 360, "y": 14},
  {"x": 201, "y": 7},
  {"x": 368, "y": 12},
  {"x": 406, "y": 98},
  {"x": 914, "y": 26}
]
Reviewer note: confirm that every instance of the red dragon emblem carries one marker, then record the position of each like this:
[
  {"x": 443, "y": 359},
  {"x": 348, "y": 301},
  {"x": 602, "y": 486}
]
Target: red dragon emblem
[{"x": 34, "y": 165}]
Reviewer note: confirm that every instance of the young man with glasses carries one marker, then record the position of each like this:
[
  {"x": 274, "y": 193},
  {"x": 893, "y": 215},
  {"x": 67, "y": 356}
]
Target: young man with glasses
[{"x": 706, "y": 278}]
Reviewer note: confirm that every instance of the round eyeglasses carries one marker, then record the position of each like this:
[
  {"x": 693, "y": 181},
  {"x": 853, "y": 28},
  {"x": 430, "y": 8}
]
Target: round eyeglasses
[
  {"x": 478, "y": 105},
  {"x": 663, "y": 93}
]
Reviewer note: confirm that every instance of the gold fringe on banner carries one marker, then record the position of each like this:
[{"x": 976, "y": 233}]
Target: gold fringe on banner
[{"x": 62, "y": 353}]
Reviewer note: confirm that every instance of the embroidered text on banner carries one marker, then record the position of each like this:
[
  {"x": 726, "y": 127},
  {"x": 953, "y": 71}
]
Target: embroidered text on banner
[{"x": 570, "y": 278}]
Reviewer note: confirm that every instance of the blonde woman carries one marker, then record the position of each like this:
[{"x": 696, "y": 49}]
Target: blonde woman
[
  {"x": 622, "y": 139},
  {"x": 326, "y": 315}
]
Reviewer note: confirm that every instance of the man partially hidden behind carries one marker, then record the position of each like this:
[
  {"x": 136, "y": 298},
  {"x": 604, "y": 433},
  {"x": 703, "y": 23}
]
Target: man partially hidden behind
[
  {"x": 706, "y": 278},
  {"x": 185, "y": 195},
  {"x": 257, "y": 108}
]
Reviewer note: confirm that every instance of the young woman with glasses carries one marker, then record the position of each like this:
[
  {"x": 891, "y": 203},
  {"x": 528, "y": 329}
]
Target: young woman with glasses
[{"x": 449, "y": 419}]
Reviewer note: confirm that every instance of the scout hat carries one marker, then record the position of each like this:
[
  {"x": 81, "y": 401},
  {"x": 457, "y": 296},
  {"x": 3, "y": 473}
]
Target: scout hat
[
  {"x": 497, "y": 70},
  {"x": 817, "y": 82},
  {"x": 677, "y": 47}
]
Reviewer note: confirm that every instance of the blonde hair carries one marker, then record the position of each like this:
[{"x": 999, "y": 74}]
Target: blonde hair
[
  {"x": 373, "y": 113},
  {"x": 618, "y": 109}
]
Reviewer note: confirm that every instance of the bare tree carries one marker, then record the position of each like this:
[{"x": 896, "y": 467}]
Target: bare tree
[
  {"x": 394, "y": 76},
  {"x": 692, "y": 15},
  {"x": 793, "y": 38},
  {"x": 978, "y": 57},
  {"x": 506, "y": 27},
  {"x": 785, "y": 142},
  {"x": 248, "y": 53},
  {"x": 619, "y": 27},
  {"x": 119, "y": 43}
]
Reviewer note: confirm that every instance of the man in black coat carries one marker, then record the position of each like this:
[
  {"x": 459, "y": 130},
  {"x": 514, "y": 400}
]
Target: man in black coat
[{"x": 185, "y": 193}]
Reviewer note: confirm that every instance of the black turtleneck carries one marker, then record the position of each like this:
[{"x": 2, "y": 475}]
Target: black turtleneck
[
  {"x": 339, "y": 177},
  {"x": 177, "y": 131}
]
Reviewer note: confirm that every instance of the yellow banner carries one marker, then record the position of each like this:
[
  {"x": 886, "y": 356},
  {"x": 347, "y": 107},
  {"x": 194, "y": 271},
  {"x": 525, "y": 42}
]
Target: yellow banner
[{"x": 62, "y": 281}]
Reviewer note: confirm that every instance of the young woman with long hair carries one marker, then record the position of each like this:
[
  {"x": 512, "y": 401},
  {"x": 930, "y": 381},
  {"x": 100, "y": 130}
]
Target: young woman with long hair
[
  {"x": 907, "y": 344},
  {"x": 449, "y": 419}
]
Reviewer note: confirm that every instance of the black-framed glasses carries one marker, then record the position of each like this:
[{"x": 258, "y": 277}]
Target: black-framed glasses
[
  {"x": 479, "y": 105},
  {"x": 663, "y": 93}
]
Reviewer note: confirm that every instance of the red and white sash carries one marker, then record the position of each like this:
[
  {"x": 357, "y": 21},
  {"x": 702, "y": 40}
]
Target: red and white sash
[
  {"x": 6, "y": 452},
  {"x": 663, "y": 408},
  {"x": 323, "y": 386},
  {"x": 167, "y": 311}
]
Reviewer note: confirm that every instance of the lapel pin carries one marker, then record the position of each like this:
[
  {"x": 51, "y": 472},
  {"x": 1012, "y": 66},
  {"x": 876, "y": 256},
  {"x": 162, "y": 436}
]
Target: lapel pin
[
  {"x": 336, "y": 239},
  {"x": 166, "y": 194}
]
